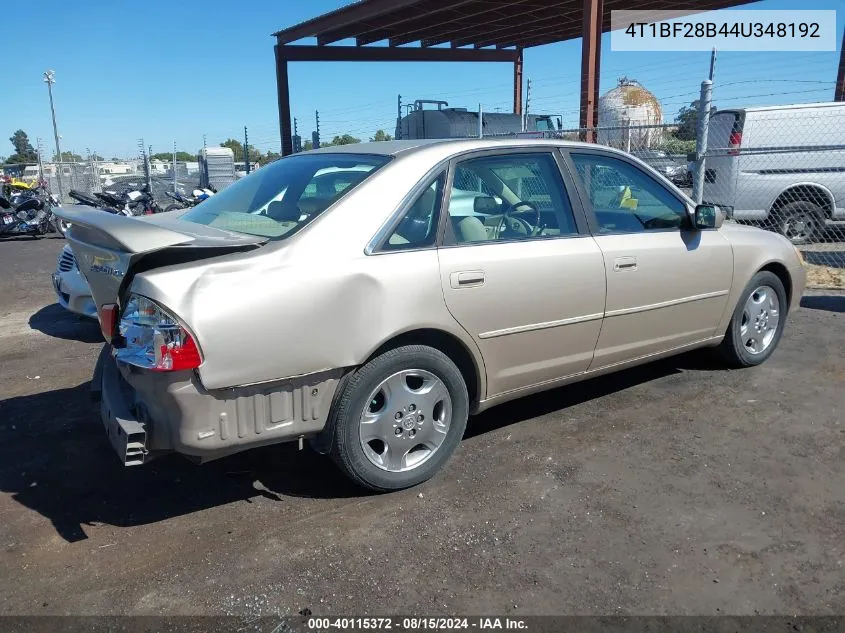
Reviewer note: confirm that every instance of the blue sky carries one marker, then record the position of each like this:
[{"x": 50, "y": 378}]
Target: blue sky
[{"x": 173, "y": 71}]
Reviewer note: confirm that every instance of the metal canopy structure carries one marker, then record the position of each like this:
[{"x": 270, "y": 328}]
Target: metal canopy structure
[{"x": 462, "y": 30}]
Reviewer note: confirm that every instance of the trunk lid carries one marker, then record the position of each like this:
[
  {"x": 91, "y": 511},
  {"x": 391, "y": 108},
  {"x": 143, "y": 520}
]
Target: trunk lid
[{"x": 109, "y": 247}]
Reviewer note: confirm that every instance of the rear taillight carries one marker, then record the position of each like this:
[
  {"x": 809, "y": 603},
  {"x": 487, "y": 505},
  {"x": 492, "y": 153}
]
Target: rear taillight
[
  {"x": 155, "y": 339},
  {"x": 734, "y": 142}
]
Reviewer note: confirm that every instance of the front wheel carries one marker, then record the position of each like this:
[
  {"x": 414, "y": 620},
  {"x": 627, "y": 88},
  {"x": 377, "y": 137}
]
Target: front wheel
[
  {"x": 399, "y": 418},
  {"x": 757, "y": 322}
]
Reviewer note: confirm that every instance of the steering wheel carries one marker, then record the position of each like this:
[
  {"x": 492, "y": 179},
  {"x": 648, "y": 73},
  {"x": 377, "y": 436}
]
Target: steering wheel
[{"x": 518, "y": 226}]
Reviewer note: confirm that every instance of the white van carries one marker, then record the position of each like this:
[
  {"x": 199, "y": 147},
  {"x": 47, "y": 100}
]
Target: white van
[{"x": 783, "y": 166}]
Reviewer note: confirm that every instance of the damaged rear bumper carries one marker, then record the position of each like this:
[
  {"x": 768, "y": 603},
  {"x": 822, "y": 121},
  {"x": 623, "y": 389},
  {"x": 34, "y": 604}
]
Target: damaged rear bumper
[{"x": 147, "y": 413}]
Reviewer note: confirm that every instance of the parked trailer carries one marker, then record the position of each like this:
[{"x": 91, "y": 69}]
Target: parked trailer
[{"x": 445, "y": 122}]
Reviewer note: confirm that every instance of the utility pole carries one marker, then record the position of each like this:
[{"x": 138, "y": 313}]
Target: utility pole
[
  {"x": 146, "y": 158},
  {"x": 702, "y": 129},
  {"x": 296, "y": 139},
  {"x": 92, "y": 164},
  {"x": 316, "y": 141},
  {"x": 40, "y": 162},
  {"x": 839, "y": 90},
  {"x": 712, "y": 63},
  {"x": 399, "y": 118},
  {"x": 480, "y": 122},
  {"x": 174, "y": 167},
  {"x": 50, "y": 79},
  {"x": 527, "y": 105},
  {"x": 246, "y": 150}
]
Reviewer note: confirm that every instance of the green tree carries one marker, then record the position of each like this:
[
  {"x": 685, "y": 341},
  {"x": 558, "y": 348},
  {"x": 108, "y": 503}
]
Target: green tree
[
  {"x": 97, "y": 157},
  {"x": 381, "y": 135},
  {"x": 687, "y": 121},
  {"x": 238, "y": 150},
  {"x": 270, "y": 156},
  {"x": 168, "y": 156},
  {"x": 24, "y": 152},
  {"x": 68, "y": 157},
  {"x": 346, "y": 139},
  {"x": 236, "y": 147},
  {"x": 307, "y": 146}
]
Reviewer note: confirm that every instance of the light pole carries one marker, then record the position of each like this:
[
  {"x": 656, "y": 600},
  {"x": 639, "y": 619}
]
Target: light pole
[{"x": 50, "y": 79}]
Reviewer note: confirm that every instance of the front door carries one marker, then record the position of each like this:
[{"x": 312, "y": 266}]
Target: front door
[
  {"x": 667, "y": 285},
  {"x": 519, "y": 273}
]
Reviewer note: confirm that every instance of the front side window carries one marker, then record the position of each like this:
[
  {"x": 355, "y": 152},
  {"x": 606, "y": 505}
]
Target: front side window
[
  {"x": 418, "y": 227},
  {"x": 509, "y": 197},
  {"x": 279, "y": 199},
  {"x": 626, "y": 199}
]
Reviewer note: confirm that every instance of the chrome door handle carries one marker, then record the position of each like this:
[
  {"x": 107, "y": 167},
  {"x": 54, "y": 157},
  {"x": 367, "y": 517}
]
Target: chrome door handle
[
  {"x": 621, "y": 264},
  {"x": 467, "y": 279}
]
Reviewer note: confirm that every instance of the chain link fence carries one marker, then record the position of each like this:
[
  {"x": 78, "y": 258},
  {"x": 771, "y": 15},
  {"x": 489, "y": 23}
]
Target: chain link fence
[
  {"x": 90, "y": 177},
  {"x": 778, "y": 168},
  {"x": 783, "y": 168}
]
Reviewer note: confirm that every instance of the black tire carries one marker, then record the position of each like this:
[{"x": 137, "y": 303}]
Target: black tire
[
  {"x": 732, "y": 347},
  {"x": 800, "y": 222},
  {"x": 172, "y": 207},
  {"x": 344, "y": 418}
]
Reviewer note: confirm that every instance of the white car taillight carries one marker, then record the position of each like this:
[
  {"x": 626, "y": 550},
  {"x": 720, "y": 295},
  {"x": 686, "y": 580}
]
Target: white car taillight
[{"x": 154, "y": 338}]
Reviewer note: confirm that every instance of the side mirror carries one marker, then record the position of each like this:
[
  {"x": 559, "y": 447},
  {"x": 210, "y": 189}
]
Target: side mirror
[
  {"x": 485, "y": 204},
  {"x": 708, "y": 216}
]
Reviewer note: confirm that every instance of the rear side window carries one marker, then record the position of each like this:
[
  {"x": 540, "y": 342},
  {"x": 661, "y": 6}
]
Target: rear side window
[
  {"x": 418, "y": 227},
  {"x": 513, "y": 196},
  {"x": 279, "y": 199}
]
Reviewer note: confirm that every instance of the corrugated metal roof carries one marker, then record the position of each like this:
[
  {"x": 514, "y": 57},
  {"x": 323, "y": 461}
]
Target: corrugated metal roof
[{"x": 476, "y": 23}]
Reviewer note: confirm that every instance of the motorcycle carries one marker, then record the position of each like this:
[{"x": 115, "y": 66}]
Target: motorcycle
[
  {"x": 127, "y": 201},
  {"x": 185, "y": 202},
  {"x": 27, "y": 215}
]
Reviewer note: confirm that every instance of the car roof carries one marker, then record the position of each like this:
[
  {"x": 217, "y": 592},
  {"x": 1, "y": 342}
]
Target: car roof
[
  {"x": 448, "y": 146},
  {"x": 795, "y": 106}
]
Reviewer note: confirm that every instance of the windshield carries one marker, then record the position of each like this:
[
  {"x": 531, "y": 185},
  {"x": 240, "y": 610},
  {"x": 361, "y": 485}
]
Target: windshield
[{"x": 279, "y": 199}]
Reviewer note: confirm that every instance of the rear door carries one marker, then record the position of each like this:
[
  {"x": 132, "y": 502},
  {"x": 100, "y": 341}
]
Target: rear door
[
  {"x": 518, "y": 268},
  {"x": 722, "y": 163},
  {"x": 667, "y": 285}
]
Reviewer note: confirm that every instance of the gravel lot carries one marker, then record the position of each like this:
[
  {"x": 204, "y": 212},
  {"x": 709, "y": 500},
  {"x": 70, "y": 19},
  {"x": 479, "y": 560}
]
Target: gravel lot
[{"x": 675, "y": 488}]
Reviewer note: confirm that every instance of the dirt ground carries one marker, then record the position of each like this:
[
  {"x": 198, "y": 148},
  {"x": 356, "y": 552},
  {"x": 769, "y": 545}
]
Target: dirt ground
[{"x": 674, "y": 488}]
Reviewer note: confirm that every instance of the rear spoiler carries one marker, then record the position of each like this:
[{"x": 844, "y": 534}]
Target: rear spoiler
[{"x": 120, "y": 232}]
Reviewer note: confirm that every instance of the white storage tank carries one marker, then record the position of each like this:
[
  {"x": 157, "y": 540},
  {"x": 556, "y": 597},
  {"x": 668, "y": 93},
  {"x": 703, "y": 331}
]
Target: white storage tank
[{"x": 630, "y": 106}]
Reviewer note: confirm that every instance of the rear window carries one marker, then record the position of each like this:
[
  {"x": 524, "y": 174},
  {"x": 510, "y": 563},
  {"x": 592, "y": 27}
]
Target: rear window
[{"x": 279, "y": 199}]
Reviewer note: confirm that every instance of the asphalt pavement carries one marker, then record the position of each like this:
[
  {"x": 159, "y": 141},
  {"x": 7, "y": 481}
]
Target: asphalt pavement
[{"x": 675, "y": 488}]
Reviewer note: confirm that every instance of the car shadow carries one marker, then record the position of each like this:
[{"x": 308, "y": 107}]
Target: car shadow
[
  {"x": 53, "y": 320},
  {"x": 55, "y": 459},
  {"x": 831, "y": 303},
  {"x": 546, "y": 402},
  {"x": 831, "y": 258}
]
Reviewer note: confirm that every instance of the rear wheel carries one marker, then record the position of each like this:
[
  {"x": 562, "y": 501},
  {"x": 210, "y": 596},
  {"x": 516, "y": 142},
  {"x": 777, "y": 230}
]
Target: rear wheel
[
  {"x": 399, "y": 418},
  {"x": 757, "y": 322},
  {"x": 800, "y": 222},
  {"x": 172, "y": 207}
]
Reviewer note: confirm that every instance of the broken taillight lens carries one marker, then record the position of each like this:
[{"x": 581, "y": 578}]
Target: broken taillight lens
[{"x": 155, "y": 339}]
